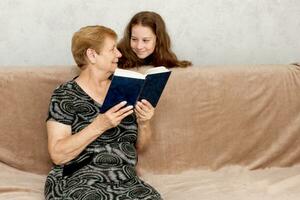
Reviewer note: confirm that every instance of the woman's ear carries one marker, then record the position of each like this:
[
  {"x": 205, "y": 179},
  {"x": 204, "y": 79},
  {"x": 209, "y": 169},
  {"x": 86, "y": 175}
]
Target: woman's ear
[{"x": 91, "y": 55}]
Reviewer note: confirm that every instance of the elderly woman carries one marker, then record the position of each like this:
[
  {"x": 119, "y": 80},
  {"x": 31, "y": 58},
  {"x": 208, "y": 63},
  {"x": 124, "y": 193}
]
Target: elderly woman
[{"x": 94, "y": 154}]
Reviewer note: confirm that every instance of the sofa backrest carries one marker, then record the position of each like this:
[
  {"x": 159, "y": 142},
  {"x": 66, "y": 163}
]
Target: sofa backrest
[
  {"x": 25, "y": 94},
  {"x": 215, "y": 116},
  {"x": 207, "y": 117}
]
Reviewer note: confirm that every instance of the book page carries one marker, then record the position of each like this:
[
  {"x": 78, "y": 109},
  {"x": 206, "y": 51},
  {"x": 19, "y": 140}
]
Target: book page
[
  {"x": 128, "y": 73},
  {"x": 156, "y": 70}
]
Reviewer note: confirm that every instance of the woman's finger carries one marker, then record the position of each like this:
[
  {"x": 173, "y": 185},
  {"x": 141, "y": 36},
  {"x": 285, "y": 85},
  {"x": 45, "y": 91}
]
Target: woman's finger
[
  {"x": 147, "y": 103},
  {"x": 120, "y": 112},
  {"x": 140, "y": 109},
  {"x": 117, "y": 107},
  {"x": 125, "y": 114},
  {"x": 144, "y": 107}
]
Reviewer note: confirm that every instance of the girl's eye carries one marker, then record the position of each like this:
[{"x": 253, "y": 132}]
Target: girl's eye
[{"x": 133, "y": 39}]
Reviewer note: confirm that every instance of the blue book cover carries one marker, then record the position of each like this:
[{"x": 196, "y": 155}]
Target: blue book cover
[
  {"x": 154, "y": 86},
  {"x": 131, "y": 86}
]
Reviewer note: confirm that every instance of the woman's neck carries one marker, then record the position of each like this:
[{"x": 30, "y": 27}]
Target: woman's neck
[{"x": 94, "y": 83}]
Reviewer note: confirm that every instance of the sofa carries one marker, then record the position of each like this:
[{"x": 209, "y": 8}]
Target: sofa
[{"x": 219, "y": 132}]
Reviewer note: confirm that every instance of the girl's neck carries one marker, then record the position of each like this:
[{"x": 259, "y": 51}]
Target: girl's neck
[{"x": 148, "y": 60}]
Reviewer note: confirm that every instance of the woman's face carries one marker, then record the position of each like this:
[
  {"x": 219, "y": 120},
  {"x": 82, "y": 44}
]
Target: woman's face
[
  {"x": 142, "y": 41},
  {"x": 109, "y": 55}
]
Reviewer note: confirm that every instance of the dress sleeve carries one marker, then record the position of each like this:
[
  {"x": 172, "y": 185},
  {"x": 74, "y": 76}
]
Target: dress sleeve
[{"x": 61, "y": 107}]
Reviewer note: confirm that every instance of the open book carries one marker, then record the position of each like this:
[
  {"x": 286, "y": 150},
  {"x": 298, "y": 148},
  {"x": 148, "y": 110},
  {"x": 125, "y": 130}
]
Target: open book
[{"x": 132, "y": 86}]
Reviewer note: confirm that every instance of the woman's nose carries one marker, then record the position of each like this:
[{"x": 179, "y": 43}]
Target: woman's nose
[{"x": 118, "y": 53}]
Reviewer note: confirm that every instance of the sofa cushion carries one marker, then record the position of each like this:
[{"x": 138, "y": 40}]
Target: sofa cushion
[{"x": 228, "y": 183}]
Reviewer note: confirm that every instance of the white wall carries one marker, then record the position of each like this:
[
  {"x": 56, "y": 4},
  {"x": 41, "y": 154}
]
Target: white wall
[{"x": 38, "y": 32}]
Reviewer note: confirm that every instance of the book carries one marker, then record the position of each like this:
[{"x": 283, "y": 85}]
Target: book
[{"x": 131, "y": 86}]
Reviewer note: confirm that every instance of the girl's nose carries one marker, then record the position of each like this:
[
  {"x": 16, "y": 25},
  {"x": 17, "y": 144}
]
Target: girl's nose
[{"x": 140, "y": 45}]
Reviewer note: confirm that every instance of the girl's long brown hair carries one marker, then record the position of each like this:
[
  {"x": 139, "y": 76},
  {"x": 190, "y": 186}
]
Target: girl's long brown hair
[{"x": 162, "y": 55}]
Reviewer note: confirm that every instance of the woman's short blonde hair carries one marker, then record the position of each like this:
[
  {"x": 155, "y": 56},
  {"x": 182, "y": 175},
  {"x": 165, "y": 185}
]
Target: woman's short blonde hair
[{"x": 92, "y": 37}]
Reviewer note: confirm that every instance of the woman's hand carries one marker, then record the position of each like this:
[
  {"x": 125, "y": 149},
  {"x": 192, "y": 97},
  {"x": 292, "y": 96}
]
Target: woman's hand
[
  {"x": 114, "y": 116},
  {"x": 144, "y": 111}
]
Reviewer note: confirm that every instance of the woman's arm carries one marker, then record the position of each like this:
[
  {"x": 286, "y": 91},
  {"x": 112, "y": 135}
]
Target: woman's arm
[
  {"x": 63, "y": 146},
  {"x": 144, "y": 111}
]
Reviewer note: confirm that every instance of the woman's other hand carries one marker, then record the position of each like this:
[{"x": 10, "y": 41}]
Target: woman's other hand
[{"x": 144, "y": 111}]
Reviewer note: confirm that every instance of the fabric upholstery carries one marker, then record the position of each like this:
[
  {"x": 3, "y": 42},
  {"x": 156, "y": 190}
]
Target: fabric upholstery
[{"x": 217, "y": 131}]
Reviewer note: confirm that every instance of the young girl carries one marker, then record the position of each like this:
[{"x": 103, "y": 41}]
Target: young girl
[{"x": 146, "y": 42}]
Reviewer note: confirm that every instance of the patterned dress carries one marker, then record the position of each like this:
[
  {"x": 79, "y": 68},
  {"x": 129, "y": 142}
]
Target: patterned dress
[{"x": 105, "y": 170}]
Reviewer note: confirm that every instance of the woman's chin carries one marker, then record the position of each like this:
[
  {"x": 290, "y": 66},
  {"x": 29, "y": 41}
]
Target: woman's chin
[{"x": 114, "y": 66}]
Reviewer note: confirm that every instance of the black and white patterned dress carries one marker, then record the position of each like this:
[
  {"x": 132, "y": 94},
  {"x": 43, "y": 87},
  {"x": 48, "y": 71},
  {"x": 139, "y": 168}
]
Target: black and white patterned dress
[{"x": 105, "y": 170}]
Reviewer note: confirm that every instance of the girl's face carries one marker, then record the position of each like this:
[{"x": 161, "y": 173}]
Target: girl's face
[{"x": 142, "y": 41}]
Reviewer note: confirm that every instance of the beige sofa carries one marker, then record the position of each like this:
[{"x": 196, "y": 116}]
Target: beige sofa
[{"x": 220, "y": 132}]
